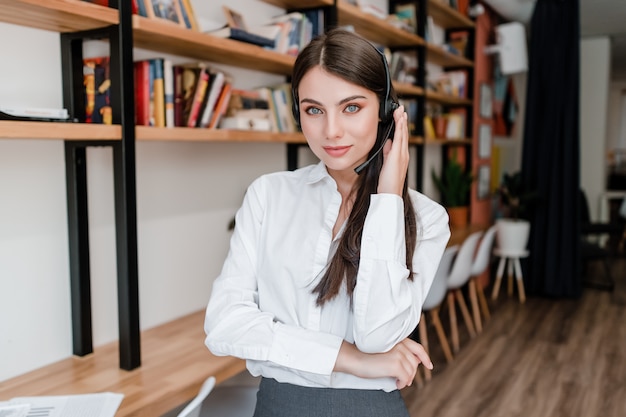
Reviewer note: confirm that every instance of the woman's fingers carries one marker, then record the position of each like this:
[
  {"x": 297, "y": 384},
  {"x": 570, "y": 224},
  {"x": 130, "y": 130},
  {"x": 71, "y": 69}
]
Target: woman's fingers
[{"x": 396, "y": 156}]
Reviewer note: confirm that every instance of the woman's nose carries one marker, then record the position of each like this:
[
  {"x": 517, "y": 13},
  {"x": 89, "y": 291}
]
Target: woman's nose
[{"x": 334, "y": 127}]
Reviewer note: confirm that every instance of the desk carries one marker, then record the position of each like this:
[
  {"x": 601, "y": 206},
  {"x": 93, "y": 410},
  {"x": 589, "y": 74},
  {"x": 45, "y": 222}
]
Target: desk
[{"x": 175, "y": 362}]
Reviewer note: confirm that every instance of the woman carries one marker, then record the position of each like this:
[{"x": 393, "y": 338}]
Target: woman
[{"x": 327, "y": 268}]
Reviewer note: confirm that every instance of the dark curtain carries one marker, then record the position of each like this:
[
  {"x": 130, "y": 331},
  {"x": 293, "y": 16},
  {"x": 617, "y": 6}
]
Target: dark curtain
[{"x": 550, "y": 158}]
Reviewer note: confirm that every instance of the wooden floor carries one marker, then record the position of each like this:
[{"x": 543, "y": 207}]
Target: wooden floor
[{"x": 547, "y": 357}]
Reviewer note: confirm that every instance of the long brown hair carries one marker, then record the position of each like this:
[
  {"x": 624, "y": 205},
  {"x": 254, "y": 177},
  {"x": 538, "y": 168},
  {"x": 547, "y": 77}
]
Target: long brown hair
[{"x": 354, "y": 59}]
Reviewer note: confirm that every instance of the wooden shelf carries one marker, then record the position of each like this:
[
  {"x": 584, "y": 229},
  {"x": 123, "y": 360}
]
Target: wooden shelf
[
  {"x": 446, "y": 99},
  {"x": 375, "y": 29},
  {"x": 437, "y": 55},
  {"x": 186, "y": 134},
  {"x": 163, "y": 36},
  {"x": 405, "y": 89},
  {"x": 445, "y": 141},
  {"x": 301, "y": 4},
  {"x": 447, "y": 17},
  {"x": 65, "y": 131},
  {"x": 57, "y": 15}
]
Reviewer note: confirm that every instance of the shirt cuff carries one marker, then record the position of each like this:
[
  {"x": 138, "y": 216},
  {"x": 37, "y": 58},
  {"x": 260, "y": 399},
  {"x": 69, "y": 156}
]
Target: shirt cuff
[
  {"x": 304, "y": 350},
  {"x": 383, "y": 231}
]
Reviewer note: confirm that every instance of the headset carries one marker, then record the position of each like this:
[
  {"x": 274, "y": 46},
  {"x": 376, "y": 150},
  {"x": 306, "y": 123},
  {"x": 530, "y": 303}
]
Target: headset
[{"x": 387, "y": 107}]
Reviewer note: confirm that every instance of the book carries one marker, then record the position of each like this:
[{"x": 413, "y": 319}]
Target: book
[
  {"x": 222, "y": 104},
  {"x": 214, "y": 90},
  {"x": 184, "y": 15},
  {"x": 189, "y": 76},
  {"x": 282, "y": 99},
  {"x": 266, "y": 94},
  {"x": 33, "y": 112},
  {"x": 458, "y": 42},
  {"x": 256, "y": 120},
  {"x": 179, "y": 96},
  {"x": 194, "y": 102},
  {"x": 290, "y": 38},
  {"x": 145, "y": 8},
  {"x": 142, "y": 93},
  {"x": 187, "y": 10},
  {"x": 168, "y": 91},
  {"x": 168, "y": 10},
  {"x": 97, "y": 82},
  {"x": 242, "y": 36},
  {"x": 158, "y": 92}
]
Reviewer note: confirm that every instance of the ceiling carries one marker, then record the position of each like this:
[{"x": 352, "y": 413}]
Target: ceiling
[{"x": 597, "y": 18}]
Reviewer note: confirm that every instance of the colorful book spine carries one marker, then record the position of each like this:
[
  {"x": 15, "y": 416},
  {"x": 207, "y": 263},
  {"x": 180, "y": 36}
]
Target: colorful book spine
[
  {"x": 158, "y": 92},
  {"x": 198, "y": 98},
  {"x": 179, "y": 97},
  {"x": 222, "y": 105},
  {"x": 142, "y": 93},
  {"x": 97, "y": 83},
  {"x": 217, "y": 82},
  {"x": 168, "y": 88}
]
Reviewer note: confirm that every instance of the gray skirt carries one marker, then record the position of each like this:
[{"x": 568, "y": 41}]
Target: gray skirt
[{"x": 276, "y": 399}]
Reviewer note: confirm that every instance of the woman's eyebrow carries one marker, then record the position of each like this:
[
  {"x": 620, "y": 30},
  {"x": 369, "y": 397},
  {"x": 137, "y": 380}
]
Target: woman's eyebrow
[{"x": 345, "y": 100}]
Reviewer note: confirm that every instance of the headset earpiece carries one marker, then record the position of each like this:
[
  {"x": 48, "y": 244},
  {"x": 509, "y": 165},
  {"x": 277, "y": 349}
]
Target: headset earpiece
[{"x": 387, "y": 105}]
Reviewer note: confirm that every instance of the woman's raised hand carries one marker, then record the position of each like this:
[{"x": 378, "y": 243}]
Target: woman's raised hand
[{"x": 396, "y": 156}]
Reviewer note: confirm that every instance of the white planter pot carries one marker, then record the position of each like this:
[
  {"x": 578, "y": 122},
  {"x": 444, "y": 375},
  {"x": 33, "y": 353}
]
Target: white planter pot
[{"x": 512, "y": 235}]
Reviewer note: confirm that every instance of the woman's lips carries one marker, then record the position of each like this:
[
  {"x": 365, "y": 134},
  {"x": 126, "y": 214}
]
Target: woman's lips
[{"x": 336, "y": 151}]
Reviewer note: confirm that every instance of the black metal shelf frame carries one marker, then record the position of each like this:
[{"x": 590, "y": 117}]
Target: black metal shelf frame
[{"x": 122, "y": 97}]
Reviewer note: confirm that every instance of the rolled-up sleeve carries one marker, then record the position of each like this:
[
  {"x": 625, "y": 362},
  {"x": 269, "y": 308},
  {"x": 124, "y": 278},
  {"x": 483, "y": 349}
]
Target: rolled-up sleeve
[{"x": 387, "y": 305}]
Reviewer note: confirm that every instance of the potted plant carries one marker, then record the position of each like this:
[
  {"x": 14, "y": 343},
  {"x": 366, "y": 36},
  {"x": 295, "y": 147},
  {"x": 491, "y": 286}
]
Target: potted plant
[
  {"x": 454, "y": 186},
  {"x": 513, "y": 228}
]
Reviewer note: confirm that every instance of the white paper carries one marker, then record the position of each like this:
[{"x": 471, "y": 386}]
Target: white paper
[
  {"x": 84, "y": 405},
  {"x": 15, "y": 410}
]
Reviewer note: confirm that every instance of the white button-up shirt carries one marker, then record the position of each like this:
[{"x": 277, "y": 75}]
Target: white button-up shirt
[{"x": 262, "y": 307}]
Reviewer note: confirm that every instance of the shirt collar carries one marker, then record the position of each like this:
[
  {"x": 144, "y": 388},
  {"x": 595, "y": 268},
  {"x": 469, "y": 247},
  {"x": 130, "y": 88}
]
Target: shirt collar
[{"x": 318, "y": 173}]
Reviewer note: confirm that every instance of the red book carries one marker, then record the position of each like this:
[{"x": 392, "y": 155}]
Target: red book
[
  {"x": 222, "y": 105},
  {"x": 142, "y": 93}
]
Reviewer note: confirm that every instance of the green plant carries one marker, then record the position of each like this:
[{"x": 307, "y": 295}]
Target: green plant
[
  {"x": 453, "y": 184},
  {"x": 515, "y": 198}
]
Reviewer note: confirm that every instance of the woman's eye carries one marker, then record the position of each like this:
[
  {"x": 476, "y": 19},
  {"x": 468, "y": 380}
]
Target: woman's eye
[
  {"x": 313, "y": 110},
  {"x": 352, "y": 108}
]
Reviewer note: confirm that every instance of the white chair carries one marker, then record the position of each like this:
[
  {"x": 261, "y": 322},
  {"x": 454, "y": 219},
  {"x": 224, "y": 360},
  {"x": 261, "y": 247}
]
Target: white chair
[
  {"x": 224, "y": 400},
  {"x": 435, "y": 297},
  {"x": 457, "y": 278},
  {"x": 193, "y": 408},
  {"x": 479, "y": 266}
]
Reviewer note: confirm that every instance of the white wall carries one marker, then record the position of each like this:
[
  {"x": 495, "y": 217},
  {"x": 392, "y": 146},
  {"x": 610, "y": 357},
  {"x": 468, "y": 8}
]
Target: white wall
[
  {"x": 186, "y": 195},
  {"x": 595, "y": 57}
]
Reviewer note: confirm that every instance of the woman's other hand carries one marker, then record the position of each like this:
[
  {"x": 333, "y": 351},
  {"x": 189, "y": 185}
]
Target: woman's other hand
[
  {"x": 396, "y": 156},
  {"x": 400, "y": 362}
]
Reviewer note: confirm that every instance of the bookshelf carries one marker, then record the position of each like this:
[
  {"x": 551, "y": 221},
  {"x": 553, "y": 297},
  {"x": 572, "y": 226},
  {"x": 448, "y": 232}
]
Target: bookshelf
[{"x": 76, "y": 20}]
